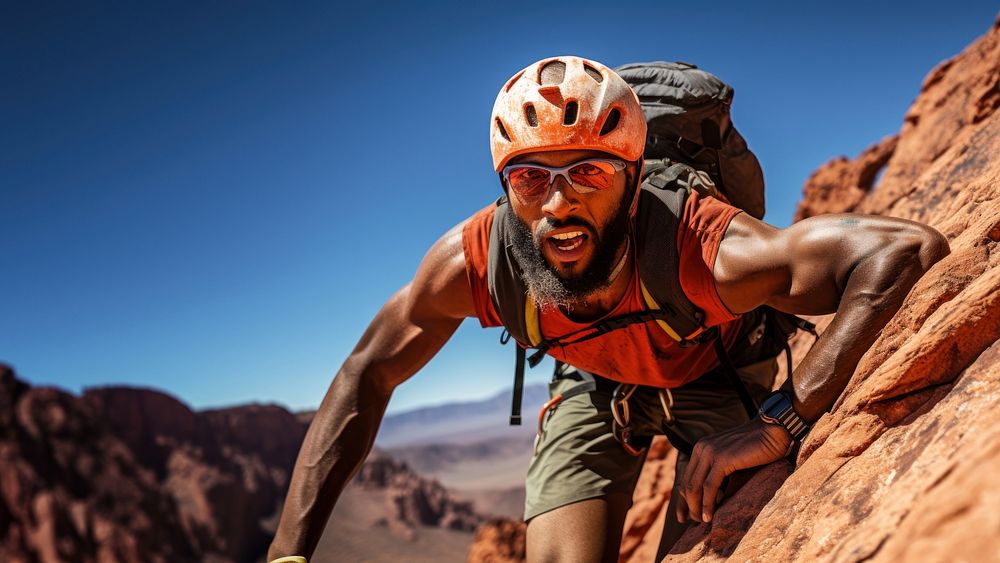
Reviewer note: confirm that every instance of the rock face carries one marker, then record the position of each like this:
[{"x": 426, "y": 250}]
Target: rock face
[
  {"x": 124, "y": 474},
  {"x": 839, "y": 185},
  {"x": 498, "y": 541},
  {"x": 904, "y": 467},
  {"x": 414, "y": 500},
  {"x": 226, "y": 469},
  {"x": 70, "y": 490},
  {"x": 644, "y": 522}
]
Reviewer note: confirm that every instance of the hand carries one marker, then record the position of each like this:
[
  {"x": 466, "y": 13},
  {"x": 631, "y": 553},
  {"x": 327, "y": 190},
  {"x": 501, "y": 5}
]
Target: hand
[{"x": 716, "y": 457}]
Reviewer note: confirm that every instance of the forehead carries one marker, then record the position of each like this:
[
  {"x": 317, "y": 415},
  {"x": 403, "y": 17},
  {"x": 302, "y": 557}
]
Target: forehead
[{"x": 558, "y": 158}]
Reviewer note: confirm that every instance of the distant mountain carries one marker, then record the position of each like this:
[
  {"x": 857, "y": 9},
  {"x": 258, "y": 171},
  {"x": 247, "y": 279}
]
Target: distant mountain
[
  {"x": 462, "y": 422},
  {"x": 458, "y": 422}
]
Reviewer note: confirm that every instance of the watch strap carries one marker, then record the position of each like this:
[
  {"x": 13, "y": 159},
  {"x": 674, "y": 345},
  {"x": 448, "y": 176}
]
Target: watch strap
[{"x": 777, "y": 409}]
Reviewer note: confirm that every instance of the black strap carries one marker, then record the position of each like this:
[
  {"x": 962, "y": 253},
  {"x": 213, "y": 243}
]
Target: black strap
[
  {"x": 515, "y": 407},
  {"x": 599, "y": 329},
  {"x": 734, "y": 378},
  {"x": 679, "y": 444},
  {"x": 587, "y": 383}
]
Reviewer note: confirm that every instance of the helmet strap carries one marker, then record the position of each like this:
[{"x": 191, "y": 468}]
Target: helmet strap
[{"x": 636, "y": 188}]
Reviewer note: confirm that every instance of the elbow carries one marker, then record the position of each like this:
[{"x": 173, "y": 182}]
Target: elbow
[
  {"x": 367, "y": 379},
  {"x": 916, "y": 247},
  {"x": 933, "y": 247}
]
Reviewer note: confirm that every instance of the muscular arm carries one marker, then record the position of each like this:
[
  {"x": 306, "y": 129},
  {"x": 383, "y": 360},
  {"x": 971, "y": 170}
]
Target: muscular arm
[
  {"x": 860, "y": 267},
  {"x": 409, "y": 330}
]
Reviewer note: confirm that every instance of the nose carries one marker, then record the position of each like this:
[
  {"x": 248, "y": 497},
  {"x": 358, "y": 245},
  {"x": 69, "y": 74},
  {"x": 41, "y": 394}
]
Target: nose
[{"x": 561, "y": 200}]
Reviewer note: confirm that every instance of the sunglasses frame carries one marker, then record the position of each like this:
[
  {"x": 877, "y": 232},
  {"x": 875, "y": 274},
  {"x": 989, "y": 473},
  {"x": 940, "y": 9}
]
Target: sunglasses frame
[{"x": 556, "y": 171}]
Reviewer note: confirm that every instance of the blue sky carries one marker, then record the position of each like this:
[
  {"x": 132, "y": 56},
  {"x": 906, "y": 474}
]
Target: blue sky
[{"x": 213, "y": 199}]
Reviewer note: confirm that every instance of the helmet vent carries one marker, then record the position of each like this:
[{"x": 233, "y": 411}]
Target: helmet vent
[
  {"x": 614, "y": 116},
  {"x": 502, "y": 130},
  {"x": 593, "y": 73},
  {"x": 530, "y": 115},
  {"x": 552, "y": 73},
  {"x": 569, "y": 114}
]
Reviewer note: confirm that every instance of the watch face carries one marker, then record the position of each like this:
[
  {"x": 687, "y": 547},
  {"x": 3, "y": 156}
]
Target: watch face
[
  {"x": 777, "y": 409},
  {"x": 775, "y": 404}
]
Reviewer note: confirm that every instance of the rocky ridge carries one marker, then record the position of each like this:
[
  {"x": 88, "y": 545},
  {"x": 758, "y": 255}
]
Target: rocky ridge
[{"x": 123, "y": 474}]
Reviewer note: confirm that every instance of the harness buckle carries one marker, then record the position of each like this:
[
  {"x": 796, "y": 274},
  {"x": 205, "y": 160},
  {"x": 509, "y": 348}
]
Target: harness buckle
[
  {"x": 620, "y": 425},
  {"x": 667, "y": 402}
]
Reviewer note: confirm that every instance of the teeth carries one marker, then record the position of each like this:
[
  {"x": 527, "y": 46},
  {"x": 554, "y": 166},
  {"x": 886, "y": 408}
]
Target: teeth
[
  {"x": 571, "y": 245},
  {"x": 567, "y": 236}
]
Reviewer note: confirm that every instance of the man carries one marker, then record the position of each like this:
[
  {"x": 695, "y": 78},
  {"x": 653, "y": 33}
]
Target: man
[{"x": 567, "y": 138}]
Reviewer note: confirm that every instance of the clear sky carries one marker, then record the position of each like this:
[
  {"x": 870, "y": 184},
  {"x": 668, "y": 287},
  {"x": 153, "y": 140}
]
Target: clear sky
[{"x": 214, "y": 198}]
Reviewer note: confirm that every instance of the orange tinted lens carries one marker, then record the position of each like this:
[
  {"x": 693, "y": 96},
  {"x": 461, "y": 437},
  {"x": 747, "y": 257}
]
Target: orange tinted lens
[
  {"x": 596, "y": 175},
  {"x": 528, "y": 182}
]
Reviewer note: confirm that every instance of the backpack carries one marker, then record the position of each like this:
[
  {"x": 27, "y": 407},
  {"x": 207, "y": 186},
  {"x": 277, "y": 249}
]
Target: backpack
[{"x": 687, "y": 120}]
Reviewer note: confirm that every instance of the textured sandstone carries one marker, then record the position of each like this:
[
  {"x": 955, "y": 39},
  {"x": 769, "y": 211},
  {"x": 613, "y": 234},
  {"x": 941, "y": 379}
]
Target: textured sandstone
[
  {"x": 904, "y": 467},
  {"x": 498, "y": 541},
  {"x": 839, "y": 185}
]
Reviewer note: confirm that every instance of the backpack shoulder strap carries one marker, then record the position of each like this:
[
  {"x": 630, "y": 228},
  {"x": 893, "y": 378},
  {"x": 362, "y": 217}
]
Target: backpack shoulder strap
[
  {"x": 517, "y": 311},
  {"x": 665, "y": 189}
]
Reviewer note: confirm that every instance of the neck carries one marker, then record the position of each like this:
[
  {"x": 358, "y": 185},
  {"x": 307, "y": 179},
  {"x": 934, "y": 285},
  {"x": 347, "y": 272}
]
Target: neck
[{"x": 602, "y": 302}]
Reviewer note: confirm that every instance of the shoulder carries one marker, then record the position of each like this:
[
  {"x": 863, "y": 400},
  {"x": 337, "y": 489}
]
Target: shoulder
[
  {"x": 702, "y": 227},
  {"x": 441, "y": 285},
  {"x": 706, "y": 214},
  {"x": 476, "y": 233}
]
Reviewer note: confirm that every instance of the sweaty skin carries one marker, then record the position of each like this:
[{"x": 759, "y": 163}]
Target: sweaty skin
[{"x": 859, "y": 266}]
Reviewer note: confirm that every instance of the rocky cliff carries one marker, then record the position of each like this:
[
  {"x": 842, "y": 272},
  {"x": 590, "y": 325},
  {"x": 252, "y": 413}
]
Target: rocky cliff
[
  {"x": 123, "y": 474},
  {"x": 905, "y": 466}
]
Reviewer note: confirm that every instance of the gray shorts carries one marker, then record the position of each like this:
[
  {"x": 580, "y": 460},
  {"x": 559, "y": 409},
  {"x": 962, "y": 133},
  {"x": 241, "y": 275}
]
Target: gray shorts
[{"x": 577, "y": 456}]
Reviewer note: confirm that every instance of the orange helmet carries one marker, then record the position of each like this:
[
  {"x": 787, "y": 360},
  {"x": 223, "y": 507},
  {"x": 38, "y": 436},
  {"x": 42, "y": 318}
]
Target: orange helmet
[{"x": 566, "y": 103}]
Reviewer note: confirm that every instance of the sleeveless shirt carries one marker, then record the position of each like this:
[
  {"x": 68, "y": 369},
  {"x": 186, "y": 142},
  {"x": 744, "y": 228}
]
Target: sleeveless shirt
[{"x": 640, "y": 353}]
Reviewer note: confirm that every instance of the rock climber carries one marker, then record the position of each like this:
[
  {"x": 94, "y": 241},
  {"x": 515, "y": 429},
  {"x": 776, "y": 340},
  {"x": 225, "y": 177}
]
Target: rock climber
[{"x": 570, "y": 235}]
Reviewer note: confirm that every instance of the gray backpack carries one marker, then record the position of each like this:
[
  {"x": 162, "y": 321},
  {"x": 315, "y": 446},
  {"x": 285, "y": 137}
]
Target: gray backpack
[{"x": 687, "y": 119}]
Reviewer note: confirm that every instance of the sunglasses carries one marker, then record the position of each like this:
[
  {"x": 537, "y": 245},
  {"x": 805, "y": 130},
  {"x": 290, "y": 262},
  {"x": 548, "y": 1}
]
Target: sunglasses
[{"x": 531, "y": 182}]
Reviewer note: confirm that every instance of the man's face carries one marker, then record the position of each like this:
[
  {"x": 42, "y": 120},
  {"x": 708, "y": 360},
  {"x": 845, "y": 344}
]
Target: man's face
[{"x": 567, "y": 242}]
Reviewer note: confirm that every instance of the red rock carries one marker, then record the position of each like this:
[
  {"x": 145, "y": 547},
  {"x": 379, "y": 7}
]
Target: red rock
[
  {"x": 414, "y": 500},
  {"x": 904, "y": 466},
  {"x": 498, "y": 541},
  {"x": 839, "y": 185},
  {"x": 644, "y": 522},
  {"x": 72, "y": 491}
]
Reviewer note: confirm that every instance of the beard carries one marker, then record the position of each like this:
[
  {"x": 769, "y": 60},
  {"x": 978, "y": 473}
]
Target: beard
[{"x": 546, "y": 286}]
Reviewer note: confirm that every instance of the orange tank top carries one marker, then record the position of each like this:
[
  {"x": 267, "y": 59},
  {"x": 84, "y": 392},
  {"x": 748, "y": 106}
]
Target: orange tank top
[{"x": 639, "y": 353}]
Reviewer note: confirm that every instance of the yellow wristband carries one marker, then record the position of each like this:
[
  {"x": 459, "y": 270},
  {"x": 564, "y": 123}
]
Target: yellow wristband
[{"x": 290, "y": 559}]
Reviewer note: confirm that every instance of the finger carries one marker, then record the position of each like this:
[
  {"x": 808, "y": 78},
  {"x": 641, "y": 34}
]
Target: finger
[
  {"x": 682, "y": 509},
  {"x": 680, "y": 503},
  {"x": 711, "y": 491},
  {"x": 694, "y": 479}
]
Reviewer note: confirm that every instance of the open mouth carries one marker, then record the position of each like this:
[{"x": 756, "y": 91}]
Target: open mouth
[{"x": 567, "y": 246}]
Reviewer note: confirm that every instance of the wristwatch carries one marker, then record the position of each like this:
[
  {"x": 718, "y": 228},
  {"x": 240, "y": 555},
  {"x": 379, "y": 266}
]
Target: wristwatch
[{"x": 777, "y": 409}]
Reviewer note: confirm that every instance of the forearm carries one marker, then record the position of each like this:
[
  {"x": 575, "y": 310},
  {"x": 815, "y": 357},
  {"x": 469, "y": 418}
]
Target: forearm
[
  {"x": 874, "y": 292},
  {"x": 336, "y": 444}
]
